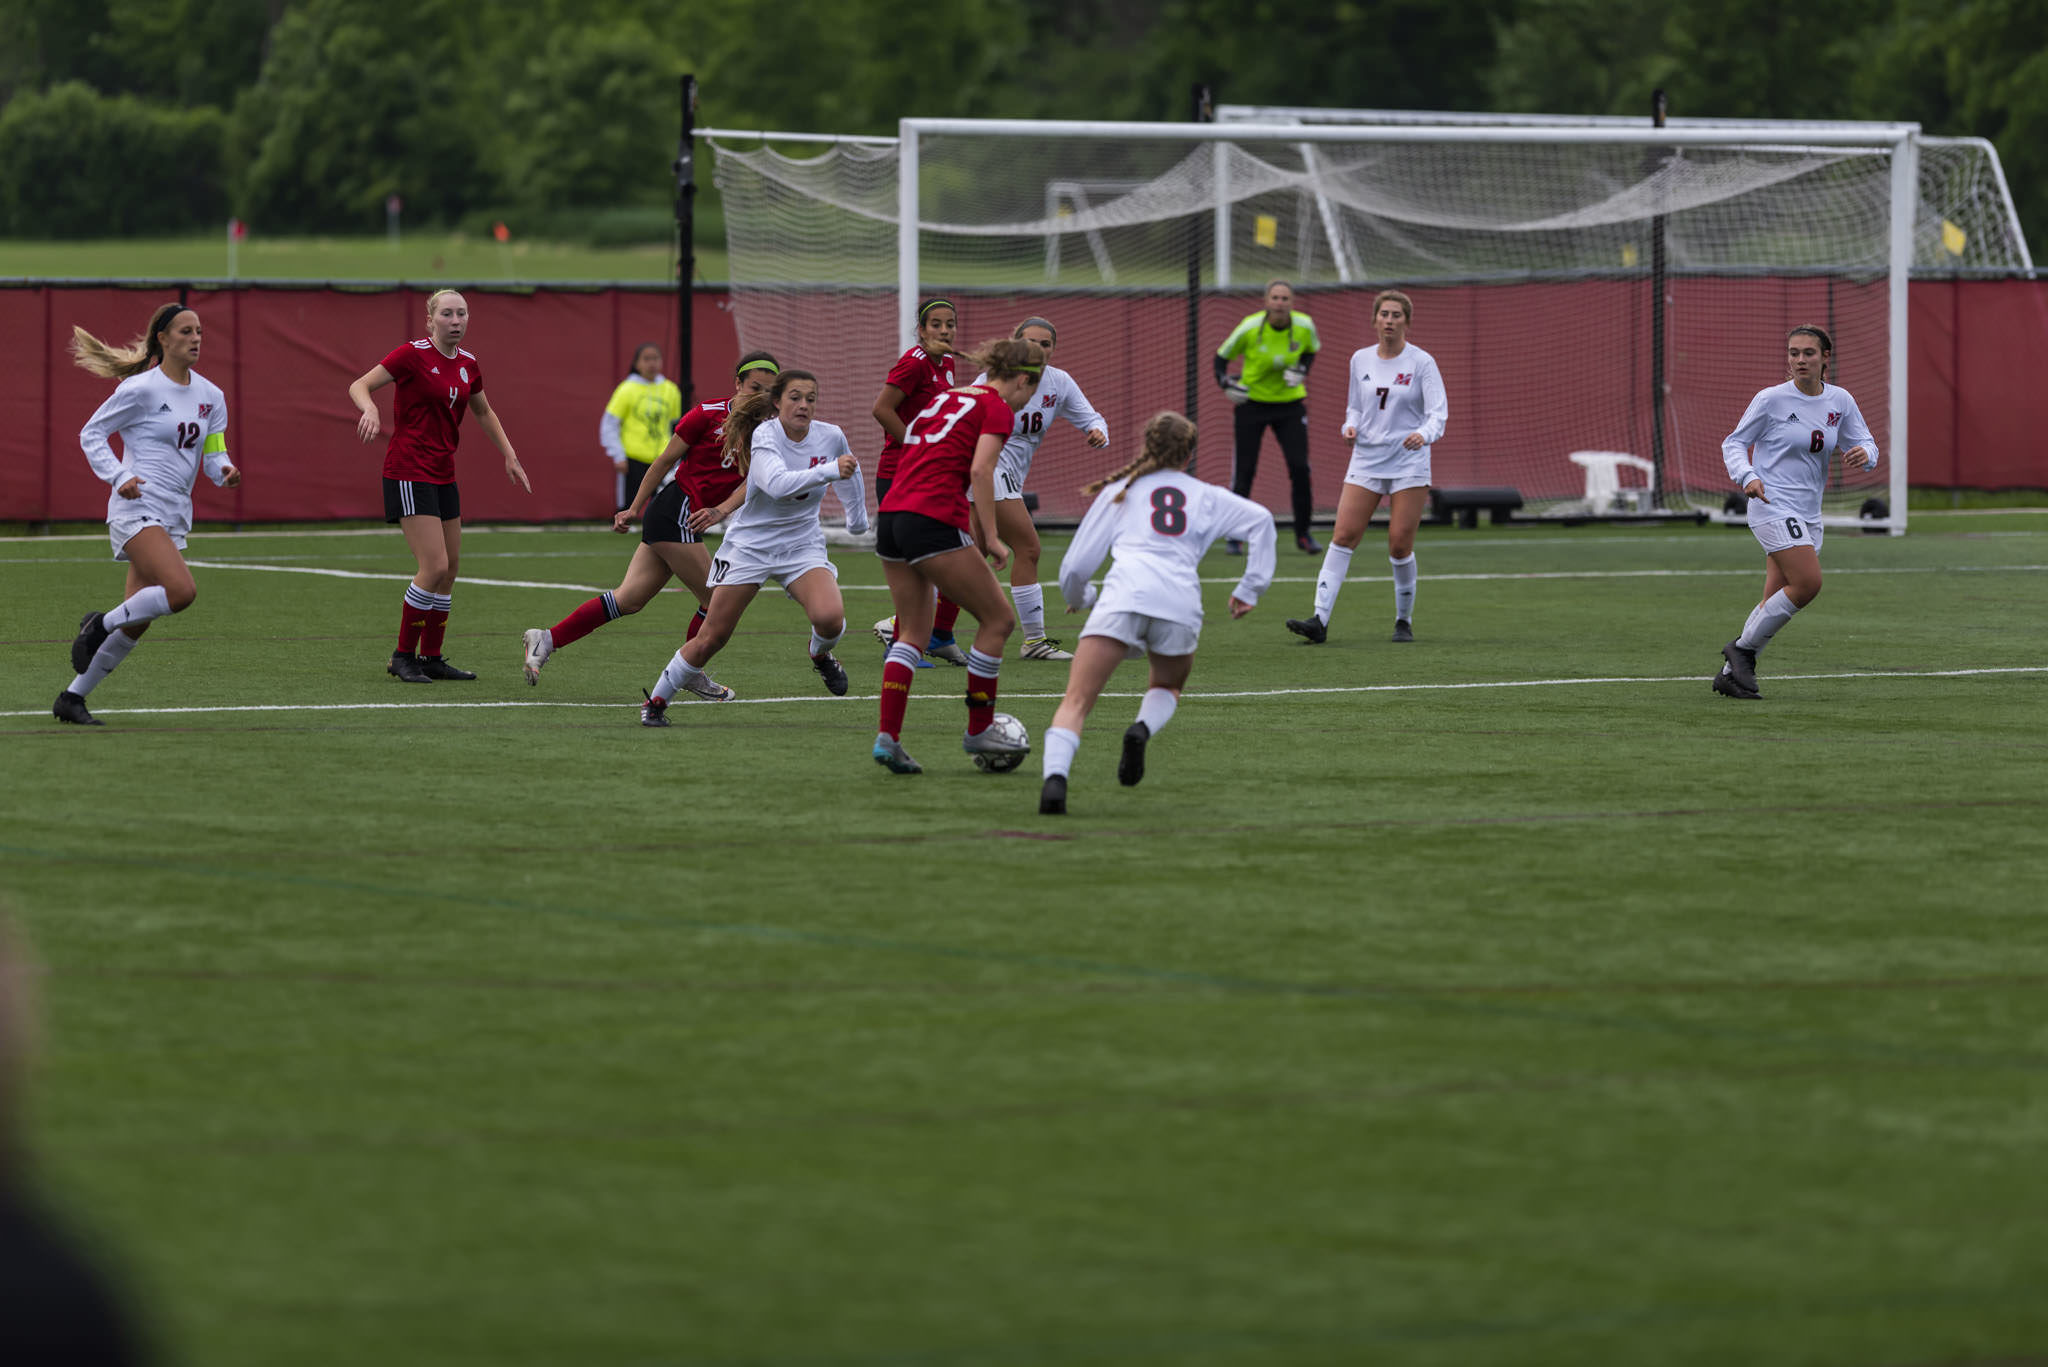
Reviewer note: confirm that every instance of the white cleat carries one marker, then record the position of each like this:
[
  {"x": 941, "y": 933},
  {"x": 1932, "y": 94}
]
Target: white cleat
[
  {"x": 540, "y": 643},
  {"x": 885, "y": 631},
  {"x": 710, "y": 690},
  {"x": 1045, "y": 648}
]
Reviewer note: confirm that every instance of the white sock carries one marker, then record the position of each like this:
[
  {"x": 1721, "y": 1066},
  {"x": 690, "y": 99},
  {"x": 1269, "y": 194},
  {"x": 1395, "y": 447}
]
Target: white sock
[
  {"x": 1404, "y": 586},
  {"x": 1156, "y": 710},
  {"x": 822, "y": 644},
  {"x": 146, "y": 606},
  {"x": 1765, "y": 620},
  {"x": 1060, "y": 745},
  {"x": 1336, "y": 564},
  {"x": 1030, "y": 600},
  {"x": 679, "y": 673},
  {"x": 114, "y": 650}
]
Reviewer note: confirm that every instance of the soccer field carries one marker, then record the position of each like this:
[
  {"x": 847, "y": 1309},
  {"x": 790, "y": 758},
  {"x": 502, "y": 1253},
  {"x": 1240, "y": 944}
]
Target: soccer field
[{"x": 1507, "y": 997}]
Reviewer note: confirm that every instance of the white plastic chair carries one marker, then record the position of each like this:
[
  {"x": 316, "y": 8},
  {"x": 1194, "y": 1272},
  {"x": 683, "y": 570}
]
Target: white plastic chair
[{"x": 1604, "y": 492}]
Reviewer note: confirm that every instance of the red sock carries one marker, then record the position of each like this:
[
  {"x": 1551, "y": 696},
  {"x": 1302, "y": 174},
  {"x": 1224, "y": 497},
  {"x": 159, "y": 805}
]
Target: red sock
[
  {"x": 896, "y": 677},
  {"x": 943, "y": 617},
  {"x": 696, "y": 625},
  {"x": 981, "y": 701},
  {"x": 580, "y": 623},
  {"x": 410, "y": 621},
  {"x": 432, "y": 630}
]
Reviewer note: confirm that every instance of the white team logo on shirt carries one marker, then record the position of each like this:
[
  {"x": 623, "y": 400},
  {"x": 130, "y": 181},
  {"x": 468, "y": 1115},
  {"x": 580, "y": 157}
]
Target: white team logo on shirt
[{"x": 463, "y": 371}]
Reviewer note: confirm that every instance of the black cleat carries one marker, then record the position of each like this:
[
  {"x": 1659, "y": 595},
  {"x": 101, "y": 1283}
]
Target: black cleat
[
  {"x": 92, "y": 634},
  {"x": 1233, "y": 547},
  {"x": 653, "y": 712},
  {"x": 405, "y": 667},
  {"x": 1307, "y": 544},
  {"x": 1725, "y": 685},
  {"x": 1312, "y": 628},
  {"x": 70, "y": 707},
  {"x": 434, "y": 667},
  {"x": 1052, "y": 798},
  {"x": 1131, "y": 767},
  {"x": 832, "y": 672},
  {"x": 1742, "y": 668},
  {"x": 1402, "y": 631}
]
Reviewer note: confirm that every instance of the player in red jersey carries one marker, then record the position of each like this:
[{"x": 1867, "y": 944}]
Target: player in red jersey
[
  {"x": 704, "y": 492},
  {"x": 922, "y": 536},
  {"x": 920, "y": 375},
  {"x": 436, "y": 380}
]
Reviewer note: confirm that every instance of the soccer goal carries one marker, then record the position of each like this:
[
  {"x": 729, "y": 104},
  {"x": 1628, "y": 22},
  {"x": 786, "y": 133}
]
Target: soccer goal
[{"x": 1602, "y": 299}]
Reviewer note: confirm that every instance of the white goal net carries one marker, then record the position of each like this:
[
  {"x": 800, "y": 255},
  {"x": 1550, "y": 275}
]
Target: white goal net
[{"x": 1532, "y": 255}]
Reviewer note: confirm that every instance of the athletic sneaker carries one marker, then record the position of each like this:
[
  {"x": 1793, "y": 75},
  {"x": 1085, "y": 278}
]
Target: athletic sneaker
[
  {"x": 1052, "y": 798},
  {"x": 405, "y": 667},
  {"x": 70, "y": 707},
  {"x": 540, "y": 643},
  {"x": 653, "y": 712},
  {"x": 832, "y": 672},
  {"x": 885, "y": 631},
  {"x": 1725, "y": 685},
  {"x": 1310, "y": 627},
  {"x": 1741, "y": 667},
  {"x": 889, "y": 753},
  {"x": 434, "y": 667},
  {"x": 1045, "y": 648},
  {"x": 943, "y": 648},
  {"x": 92, "y": 634},
  {"x": 1233, "y": 547},
  {"x": 1307, "y": 544},
  {"x": 710, "y": 689},
  {"x": 1131, "y": 767},
  {"x": 1402, "y": 631}
]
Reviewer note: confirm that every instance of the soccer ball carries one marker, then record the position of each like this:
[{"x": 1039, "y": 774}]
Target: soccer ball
[{"x": 1016, "y": 745}]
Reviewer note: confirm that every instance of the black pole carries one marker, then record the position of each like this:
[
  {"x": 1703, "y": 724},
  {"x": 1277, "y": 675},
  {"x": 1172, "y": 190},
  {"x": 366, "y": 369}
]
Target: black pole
[
  {"x": 686, "y": 236},
  {"x": 1204, "y": 112},
  {"x": 1657, "y": 285}
]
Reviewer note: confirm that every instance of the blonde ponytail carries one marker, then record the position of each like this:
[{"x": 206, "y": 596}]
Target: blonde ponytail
[{"x": 118, "y": 363}]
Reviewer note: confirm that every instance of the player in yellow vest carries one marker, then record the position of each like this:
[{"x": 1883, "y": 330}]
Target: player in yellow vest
[
  {"x": 643, "y": 410},
  {"x": 1278, "y": 346}
]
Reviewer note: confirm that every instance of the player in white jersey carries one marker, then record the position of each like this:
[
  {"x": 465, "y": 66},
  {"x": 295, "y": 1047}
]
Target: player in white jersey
[
  {"x": 1157, "y": 520},
  {"x": 173, "y": 424},
  {"x": 789, "y": 459},
  {"x": 1057, "y": 396},
  {"x": 1779, "y": 453},
  {"x": 1395, "y": 411}
]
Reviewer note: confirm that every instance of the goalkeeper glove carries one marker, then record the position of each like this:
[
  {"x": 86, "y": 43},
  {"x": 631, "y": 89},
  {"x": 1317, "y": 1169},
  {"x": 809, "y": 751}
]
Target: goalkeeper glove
[
  {"x": 1234, "y": 390},
  {"x": 1295, "y": 375}
]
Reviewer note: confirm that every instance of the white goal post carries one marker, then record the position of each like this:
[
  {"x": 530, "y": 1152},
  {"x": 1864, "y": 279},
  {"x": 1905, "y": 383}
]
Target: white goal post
[{"x": 1535, "y": 250}]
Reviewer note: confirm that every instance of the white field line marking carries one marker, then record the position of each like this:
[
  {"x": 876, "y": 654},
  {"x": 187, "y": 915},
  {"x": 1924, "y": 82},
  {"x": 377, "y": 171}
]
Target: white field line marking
[
  {"x": 1048, "y": 697},
  {"x": 1746, "y": 572}
]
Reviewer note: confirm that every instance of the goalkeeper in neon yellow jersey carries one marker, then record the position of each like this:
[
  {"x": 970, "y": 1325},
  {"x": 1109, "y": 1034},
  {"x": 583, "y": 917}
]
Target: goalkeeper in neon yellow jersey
[
  {"x": 1278, "y": 345},
  {"x": 637, "y": 421}
]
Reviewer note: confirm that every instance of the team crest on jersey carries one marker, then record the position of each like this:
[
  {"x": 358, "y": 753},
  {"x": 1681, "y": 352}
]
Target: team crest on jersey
[
  {"x": 463, "y": 371},
  {"x": 1046, "y": 400},
  {"x": 205, "y": 409},
  {"x": 1408, "y": 378},
  {"x": 1833, "y": 418}
]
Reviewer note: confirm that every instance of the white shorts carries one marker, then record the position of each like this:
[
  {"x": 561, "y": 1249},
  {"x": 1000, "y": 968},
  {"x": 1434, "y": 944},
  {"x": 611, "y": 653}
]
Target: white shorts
[
  {"x": 1135, "y": 629},
  {"x": 1776, "y": 531},
  {"x": 1011, "y": 472},
  {"x": 738, "y": 565},
  {"x": 1385, "y": 470},
  {"x": 127, "y": 516}
]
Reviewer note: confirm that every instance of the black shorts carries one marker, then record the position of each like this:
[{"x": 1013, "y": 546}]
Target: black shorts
[
  {"x": 911, "y": 537},
  {"x": 668, "y": 518},
  {"x": 411, "y": 498},
  {"x": 882, "y": 484}
]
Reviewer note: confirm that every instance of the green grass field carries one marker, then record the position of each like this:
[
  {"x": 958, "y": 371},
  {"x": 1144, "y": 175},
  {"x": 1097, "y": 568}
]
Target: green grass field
[
  {"x": 419, "y": 257},
  {"x": 1503, "y": 998}
]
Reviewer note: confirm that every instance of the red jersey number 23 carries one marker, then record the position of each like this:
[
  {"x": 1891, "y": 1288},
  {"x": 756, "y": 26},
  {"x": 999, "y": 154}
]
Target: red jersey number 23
[{"x": 962, "y": 404}]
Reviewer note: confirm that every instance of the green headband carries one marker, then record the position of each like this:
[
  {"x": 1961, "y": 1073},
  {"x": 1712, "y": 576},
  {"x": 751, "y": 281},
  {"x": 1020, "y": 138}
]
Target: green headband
[
  {"x": 928, "y": 305},
  {"x": 769, "y": 366},
  {"x": 1028, "y": 369}
]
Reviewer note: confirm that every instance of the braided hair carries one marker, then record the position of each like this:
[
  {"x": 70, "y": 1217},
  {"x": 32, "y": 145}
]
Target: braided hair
[{"x": 1169, "y": 445}]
